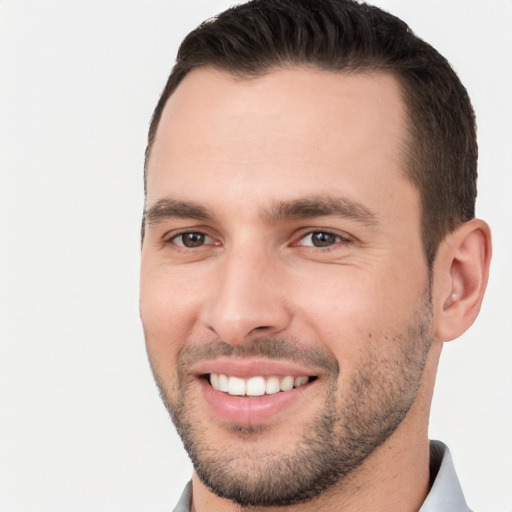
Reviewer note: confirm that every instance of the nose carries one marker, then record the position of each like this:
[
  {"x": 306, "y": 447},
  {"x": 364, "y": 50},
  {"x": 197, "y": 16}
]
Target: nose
[{"x": 248, "y": 297}]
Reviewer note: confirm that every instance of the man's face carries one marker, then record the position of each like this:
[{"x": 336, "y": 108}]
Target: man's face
[{"x": 282, "y": 249}]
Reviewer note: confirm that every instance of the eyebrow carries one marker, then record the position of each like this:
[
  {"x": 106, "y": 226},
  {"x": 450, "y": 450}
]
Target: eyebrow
[
  {"x": 172, "y": 208},
  {"x": 322, "y": 206}
]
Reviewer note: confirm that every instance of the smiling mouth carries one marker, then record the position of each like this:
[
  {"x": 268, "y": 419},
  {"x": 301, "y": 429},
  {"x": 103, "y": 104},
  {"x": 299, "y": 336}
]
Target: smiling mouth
[{"x": 255, "y": 386}]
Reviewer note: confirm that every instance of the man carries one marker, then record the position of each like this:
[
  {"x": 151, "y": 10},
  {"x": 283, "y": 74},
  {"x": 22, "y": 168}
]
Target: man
[{"x": 309, "y": 243}]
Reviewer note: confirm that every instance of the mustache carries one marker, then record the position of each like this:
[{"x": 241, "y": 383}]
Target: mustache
[{"x": 269, "y": 348}]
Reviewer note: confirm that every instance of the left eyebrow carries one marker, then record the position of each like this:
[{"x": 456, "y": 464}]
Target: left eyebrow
[{"x": 321, "y": 206}]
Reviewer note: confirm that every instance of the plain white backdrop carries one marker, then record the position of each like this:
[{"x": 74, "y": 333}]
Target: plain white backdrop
[{"x": 81, "y": 426}]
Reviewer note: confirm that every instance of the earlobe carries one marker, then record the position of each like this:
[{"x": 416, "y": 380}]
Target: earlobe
[{"x": 461, "y": 272}]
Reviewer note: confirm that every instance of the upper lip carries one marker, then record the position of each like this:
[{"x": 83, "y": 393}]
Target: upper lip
[{"x": 252, "y": 367}]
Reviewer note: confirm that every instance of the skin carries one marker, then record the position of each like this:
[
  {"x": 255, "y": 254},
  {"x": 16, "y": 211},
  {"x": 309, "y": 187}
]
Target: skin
[{"x": 237, "y": 151}]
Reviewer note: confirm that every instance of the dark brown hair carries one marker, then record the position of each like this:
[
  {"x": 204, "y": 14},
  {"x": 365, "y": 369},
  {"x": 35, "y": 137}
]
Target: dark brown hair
[{"x": 251, "y": 39}]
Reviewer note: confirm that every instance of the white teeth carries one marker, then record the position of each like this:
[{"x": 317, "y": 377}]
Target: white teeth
[
  {"x": 223, "y": 383},
  {"x": 236, "y": 386},
  {"x": 214, "y": 380},
  {"x": 300, "y": 381},
  {"x": 255, "y": 386},
  {"x": 272, "y": 386},
  {"x": 286, "y": 383}
]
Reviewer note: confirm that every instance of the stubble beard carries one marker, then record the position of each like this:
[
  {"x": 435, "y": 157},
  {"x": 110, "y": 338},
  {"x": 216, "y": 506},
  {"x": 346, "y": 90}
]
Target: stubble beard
[{"x": 346, "y": 431}]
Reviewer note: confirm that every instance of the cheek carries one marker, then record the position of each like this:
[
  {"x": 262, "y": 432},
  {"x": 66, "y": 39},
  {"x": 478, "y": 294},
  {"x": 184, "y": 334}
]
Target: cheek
[
  {"x": 168, "y": 307},
  {"x": 350, "y": 309}
]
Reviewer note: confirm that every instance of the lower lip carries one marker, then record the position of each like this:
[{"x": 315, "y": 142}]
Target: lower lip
[{"x": 253, "y": 410}]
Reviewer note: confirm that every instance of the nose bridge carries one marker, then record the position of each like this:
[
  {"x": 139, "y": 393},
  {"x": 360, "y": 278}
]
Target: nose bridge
[{"x": 248, "y": 297}]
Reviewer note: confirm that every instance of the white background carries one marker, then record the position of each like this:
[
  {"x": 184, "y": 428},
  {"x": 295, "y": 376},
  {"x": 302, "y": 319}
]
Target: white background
[{"x": 81, "y": 425}]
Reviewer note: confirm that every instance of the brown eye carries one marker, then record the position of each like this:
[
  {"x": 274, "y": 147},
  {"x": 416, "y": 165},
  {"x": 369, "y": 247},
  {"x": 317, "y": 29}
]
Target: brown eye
[
  {"x": 323, "y": 239},
  {"x": 192, "y": 239},
  {"x": 320, "y": 239}
]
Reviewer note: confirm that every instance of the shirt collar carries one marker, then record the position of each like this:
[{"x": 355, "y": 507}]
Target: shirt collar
[{"x": 445, "y": 493}]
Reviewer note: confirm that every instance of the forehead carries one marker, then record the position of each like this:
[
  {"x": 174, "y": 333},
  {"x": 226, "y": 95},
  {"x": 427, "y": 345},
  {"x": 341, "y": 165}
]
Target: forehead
[{"x": 290, "y": 129}]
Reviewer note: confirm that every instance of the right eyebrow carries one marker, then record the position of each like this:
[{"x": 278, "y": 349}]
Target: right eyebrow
[{"x": 172, "y": 209}]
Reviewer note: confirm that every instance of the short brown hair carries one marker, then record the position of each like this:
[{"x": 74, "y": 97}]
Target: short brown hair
[{"x": 251, "y": 39}]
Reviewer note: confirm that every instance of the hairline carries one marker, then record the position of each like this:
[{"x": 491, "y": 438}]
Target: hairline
[{"x": 375, "y": 69}]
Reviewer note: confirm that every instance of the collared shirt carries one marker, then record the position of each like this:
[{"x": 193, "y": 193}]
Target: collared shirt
[
  {"x": 446, "y": 492},
  {"x": 444, "y": 496}
]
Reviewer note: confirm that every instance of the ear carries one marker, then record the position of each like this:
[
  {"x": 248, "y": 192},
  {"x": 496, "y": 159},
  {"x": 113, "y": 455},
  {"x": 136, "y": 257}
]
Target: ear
[{"x": 461, "y": 271}]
